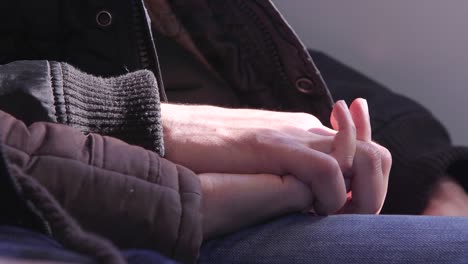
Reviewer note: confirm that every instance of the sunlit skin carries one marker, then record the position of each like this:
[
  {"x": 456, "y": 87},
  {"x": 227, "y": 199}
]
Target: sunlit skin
[
  {"x": 256, "y": 164},
  {"x": 223, "y": 137}
]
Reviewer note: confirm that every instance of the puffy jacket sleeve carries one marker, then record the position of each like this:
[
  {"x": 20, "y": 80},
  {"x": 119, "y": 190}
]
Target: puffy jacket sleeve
[{"x": 125, "y": 193}]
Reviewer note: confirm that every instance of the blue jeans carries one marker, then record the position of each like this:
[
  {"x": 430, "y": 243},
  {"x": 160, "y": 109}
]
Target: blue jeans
[
  {"x": 345, "y": 239},
  {"x": 24, "y": 244},
  {"x": 295, "y": 239}
]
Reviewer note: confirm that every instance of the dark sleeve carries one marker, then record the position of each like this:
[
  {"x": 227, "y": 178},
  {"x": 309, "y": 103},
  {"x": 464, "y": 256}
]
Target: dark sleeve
[
  {"x": 421, "y": 148},
  {"x": 126, "y": 107}
]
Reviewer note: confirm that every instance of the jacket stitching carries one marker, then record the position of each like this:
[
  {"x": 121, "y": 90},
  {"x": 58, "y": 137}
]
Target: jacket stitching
[
  {"x": 98, "y": 168},
  {"x": 148, "y": 169},
  {"x": 179, "y": 231}
]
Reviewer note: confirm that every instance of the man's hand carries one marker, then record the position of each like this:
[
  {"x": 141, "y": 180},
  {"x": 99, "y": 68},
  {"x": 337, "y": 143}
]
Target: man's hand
[{"x": 242, "y": 141}]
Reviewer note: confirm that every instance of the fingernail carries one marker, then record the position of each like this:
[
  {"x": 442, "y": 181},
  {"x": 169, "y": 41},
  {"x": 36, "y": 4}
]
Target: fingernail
[
  {"x": 337, "y": 116},
  {"x": 345, "y": 108},
  {"x": 343, "y": 104},
  {"x": 365, "y": 106}
]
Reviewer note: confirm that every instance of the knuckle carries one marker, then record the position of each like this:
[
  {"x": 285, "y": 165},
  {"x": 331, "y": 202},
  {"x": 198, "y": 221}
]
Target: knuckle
[
  {"x": 255, "y": 141},
  {"x": 330, "y": 199},
  {"x": 268, "y": 140},
  {"x": 330, "y": 166},
  {"x": 371, "y": 153},
  {"x": 329, "y": 206},
  {"x": 346, "y": 163},
  {"x": 386, "y": 155},
  {"x": 386, "y": 162},
  {"x": 262, "y": 137},
  {"x": 328, "y": 170}
]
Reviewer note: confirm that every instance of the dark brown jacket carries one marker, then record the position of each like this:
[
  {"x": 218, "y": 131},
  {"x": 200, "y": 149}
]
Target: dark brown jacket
[{"x": 125, "y": 193}]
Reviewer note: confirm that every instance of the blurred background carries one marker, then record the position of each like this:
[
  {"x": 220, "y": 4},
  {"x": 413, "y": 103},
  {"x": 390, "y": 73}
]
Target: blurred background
[{"x": 418, "y": 48}]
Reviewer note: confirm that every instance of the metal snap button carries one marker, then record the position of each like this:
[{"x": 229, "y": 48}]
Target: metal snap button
[
  {"x": 104, "y": 18},
  {"x": 305, "y": 85}
]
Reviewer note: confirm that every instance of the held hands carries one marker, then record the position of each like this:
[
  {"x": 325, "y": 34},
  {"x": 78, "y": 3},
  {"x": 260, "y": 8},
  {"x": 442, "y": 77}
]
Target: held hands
[
  {"x": 370, "y": 169},
  {"x": 247, "y": 149}
]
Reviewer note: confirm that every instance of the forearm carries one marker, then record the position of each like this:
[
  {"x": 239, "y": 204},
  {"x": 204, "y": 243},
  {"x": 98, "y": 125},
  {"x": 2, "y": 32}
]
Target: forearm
[{"x": 231, "y": 202}]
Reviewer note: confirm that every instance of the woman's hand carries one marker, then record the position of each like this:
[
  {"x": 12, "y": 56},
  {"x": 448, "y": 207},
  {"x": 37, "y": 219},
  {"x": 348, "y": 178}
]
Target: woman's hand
[{"x": 233, "y": 201}]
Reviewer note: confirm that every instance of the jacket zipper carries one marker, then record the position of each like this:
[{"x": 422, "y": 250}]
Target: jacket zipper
[
  {"x": 268, "y": 40},
  {"x": 271, "y": 47},
  {"x": 146, "y": 49}
]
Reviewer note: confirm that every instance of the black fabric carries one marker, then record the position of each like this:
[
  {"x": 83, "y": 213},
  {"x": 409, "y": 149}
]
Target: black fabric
[
  {"x": 15, "y": 209},
  {"x": 187, "y": 80},
  {"x": 67, "y": 31},
  {"x": 421, "y": 148},
  {"x": 250, "y": 45},
  {"x": 420, "y": 145},
  {"x": 27, "y": 85},
  {"x": 66, "y": 230}
]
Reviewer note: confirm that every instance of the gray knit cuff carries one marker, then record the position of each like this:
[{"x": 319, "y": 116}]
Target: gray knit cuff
[{"x": 126, "y": 107}]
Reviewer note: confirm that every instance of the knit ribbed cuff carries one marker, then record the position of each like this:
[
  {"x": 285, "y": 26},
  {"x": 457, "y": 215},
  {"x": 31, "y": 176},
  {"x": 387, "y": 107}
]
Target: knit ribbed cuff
[{"x": 126, "y": 107}]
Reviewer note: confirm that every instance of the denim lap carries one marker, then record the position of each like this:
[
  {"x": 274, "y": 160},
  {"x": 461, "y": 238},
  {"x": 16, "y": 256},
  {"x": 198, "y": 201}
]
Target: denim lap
[{"x": 345, "y": 239}]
